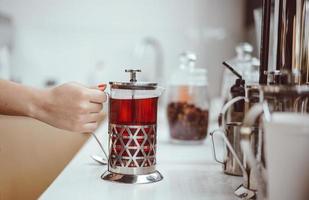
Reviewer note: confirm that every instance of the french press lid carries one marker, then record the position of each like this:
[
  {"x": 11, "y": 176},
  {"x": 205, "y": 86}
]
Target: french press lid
[{"x": 133, "y": 84}]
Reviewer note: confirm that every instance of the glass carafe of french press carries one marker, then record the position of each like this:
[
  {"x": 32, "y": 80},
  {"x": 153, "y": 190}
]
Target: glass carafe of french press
[{"x": 132, "y": 132}]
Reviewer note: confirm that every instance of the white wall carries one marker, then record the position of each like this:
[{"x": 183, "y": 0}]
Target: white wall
[{"x": 65, "y": 39}]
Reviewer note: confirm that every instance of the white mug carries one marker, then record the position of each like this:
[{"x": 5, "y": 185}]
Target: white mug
[{"x": 287, "y": 156}]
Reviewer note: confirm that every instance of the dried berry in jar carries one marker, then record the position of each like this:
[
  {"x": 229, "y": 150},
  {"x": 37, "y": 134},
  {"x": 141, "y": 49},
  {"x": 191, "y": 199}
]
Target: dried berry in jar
[{"x": 187, "y": 121}]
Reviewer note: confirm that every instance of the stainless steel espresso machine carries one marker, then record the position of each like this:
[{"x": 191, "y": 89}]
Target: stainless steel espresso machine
[
  {"x": 291, "y": 45},
  {"x": 283, "y": 87}
]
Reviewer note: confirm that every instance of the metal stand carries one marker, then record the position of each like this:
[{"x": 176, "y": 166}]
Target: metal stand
[{"x": 132, "y": 179}]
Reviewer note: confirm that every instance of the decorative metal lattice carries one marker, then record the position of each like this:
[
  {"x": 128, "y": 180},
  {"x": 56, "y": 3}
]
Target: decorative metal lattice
[{"x": 132, "y": 146}]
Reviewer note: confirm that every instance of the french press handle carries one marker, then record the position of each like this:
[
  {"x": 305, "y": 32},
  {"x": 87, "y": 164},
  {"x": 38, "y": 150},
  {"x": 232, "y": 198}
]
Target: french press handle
[{"x": 102, "y": 88}]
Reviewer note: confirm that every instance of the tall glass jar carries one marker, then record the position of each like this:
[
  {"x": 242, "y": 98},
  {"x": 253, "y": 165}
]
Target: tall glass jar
[{"x": 187, "y": 109}]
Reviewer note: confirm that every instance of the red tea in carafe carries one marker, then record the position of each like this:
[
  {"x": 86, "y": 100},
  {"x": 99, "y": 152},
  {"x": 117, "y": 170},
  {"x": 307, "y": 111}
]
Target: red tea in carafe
[
  {"x": 133, "y": 131},
  {"x": 133, "y": 111}
]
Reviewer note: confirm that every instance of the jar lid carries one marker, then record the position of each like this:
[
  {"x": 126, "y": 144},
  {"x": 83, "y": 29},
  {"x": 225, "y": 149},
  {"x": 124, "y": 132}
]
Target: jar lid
[
  {"x": 197, "y": 76},
  {"x": 133, "y": 84}
]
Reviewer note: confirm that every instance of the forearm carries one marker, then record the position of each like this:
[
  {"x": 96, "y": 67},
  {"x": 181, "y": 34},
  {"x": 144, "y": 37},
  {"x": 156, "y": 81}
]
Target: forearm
[
  {"x": 69, "y": 106},
  {"x": 17, "y": 99}
]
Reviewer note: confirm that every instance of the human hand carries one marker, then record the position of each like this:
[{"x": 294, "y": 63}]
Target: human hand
[{"x": 72, "y": 106}]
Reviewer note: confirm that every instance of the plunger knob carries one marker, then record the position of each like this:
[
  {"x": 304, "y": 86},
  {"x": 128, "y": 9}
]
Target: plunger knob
[{"x": 133, "y": 74}]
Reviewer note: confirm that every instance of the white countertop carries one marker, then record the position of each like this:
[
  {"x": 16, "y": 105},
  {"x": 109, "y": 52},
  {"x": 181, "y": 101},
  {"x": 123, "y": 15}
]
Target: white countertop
[{"x": 189, "y": 172}]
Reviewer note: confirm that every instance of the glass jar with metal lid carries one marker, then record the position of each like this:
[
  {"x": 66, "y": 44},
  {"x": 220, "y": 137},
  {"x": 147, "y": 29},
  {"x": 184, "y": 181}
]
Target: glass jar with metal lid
[{"x": 188, "y": 103}]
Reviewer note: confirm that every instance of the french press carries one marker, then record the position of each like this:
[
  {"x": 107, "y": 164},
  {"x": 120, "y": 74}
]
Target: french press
[{"x": 132, "y": 130}]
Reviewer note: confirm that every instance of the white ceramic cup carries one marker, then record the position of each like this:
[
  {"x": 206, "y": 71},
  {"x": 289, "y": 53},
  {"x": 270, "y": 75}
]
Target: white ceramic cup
[{"x": 287, "y": 156}]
